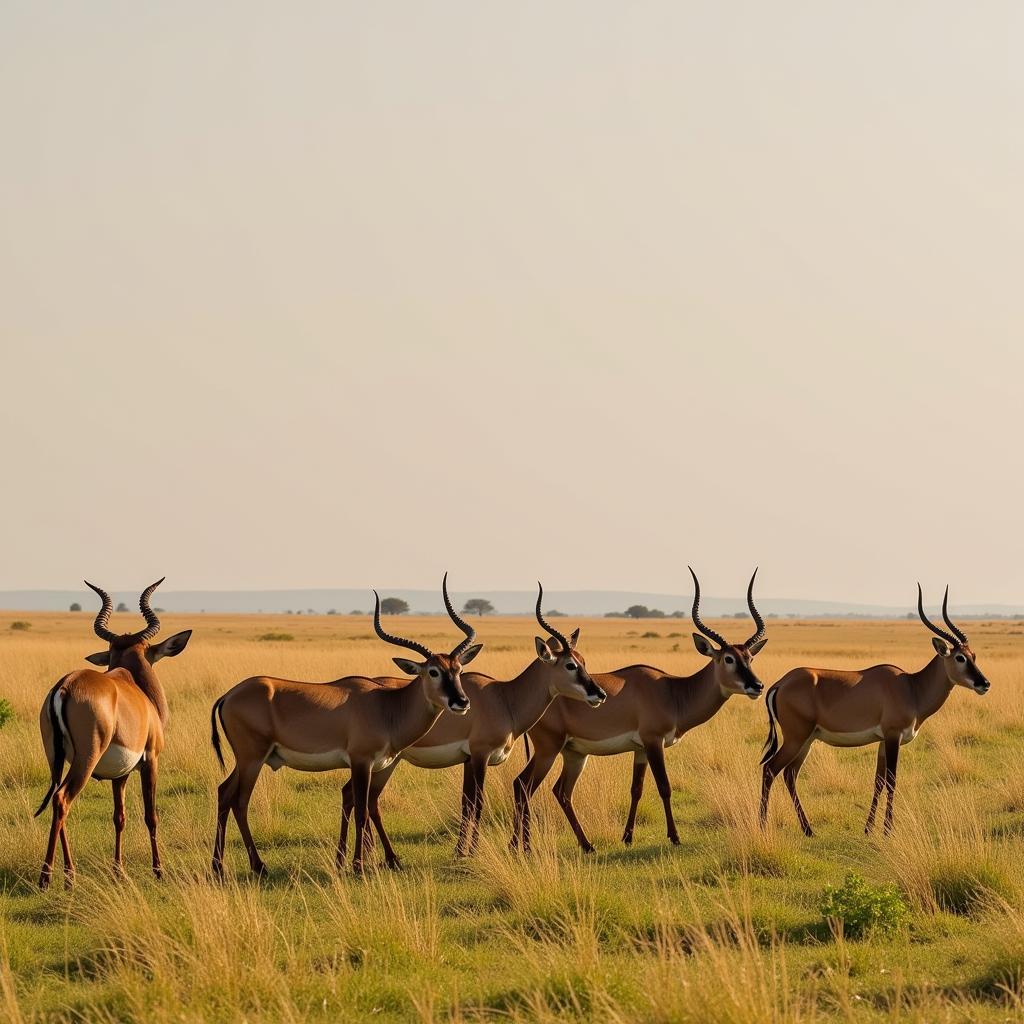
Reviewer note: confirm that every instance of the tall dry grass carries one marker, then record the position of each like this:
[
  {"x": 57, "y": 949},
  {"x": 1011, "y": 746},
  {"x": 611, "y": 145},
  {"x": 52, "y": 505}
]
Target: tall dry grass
[{"x": 725, "y": 927}]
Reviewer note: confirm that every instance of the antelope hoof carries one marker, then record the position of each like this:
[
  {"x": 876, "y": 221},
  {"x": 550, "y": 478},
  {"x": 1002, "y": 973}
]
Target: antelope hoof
[
  {"x": 588, "y": 848},
  {"x": 627, "y": 838},
  {"x": 158, "y": 871},
  {"x": 44, "y": 879},
  {"x": 674, "y": 840},
  {"x": 394, "y": 864},
  {"x": 808, "y": 831}
]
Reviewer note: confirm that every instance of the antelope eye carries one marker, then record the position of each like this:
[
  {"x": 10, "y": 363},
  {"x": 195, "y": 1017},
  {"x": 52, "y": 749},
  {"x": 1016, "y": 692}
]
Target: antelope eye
[
  {"x": 570, "y": 666},
  {"x": 960, "y": 658},
  {"x": 434, "y": 674},
  {"x": 729, "y": 659}
]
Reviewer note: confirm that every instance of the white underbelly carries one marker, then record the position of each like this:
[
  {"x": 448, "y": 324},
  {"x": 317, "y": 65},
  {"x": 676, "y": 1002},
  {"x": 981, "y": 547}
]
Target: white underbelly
[
  {"x": 307, "y": 761},
  {"x": 628, "y": 741},
  {"x": 444, "y": 755},
  {"x": 116, "y": 761},
  {"x": 849, "y": 739}
]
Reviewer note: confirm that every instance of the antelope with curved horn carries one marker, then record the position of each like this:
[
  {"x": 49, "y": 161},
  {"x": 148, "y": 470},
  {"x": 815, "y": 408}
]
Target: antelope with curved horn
[
  {"x": 501, "y": 711},
  {"x": 647, "y": 710},
  {"x": 883, "y": 704},
  {"x": 351, "y": 722},
  {"x": 106, "y": 725}
]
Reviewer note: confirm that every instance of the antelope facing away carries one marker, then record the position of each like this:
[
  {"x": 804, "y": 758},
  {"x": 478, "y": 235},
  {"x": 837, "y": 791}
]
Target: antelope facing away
[
  {"x": 501, "y": 711},
  {"x": 107, "y": 725},
  {"x": 883, "y": 705},
  {"x": 646, "y": 711},
  {"x": 351, "y": 722}
]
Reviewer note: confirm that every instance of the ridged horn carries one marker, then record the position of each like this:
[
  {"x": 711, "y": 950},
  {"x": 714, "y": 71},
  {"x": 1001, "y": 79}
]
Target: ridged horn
[
  {"x": 695, "y": 613},
  {"x": 566, "y": 646},
  {"x": 754, "y": 614},
  {"x": 948, "y": 637},
  {"x": 959, "y": 633},
  {"x": 152, "y": 622},
  {"x": 103, "y": 615},
  {"x": 466, "y": 628},
  {"x": 396, "y": 640}
]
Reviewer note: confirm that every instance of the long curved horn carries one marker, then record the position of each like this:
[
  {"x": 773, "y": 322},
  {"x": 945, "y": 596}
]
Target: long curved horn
[
  {"x": 754, "y": 614},
  {"x": 948, "y": 637},
  {"x": 695, "y": 613},
  {"x": 103, "y": 615},
  {"x": 566, "y": 646},
  {"x": 396, "y": 640},
  {"x": 958, "y": 633},
  {"x": 152, "y": 622},
  {"x": 466, "y": 628}
]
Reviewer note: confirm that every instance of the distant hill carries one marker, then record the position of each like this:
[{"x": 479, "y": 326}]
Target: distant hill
[{"x": 506, "y": 602}]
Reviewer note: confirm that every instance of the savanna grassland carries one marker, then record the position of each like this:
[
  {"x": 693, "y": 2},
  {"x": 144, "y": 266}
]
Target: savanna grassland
[{"x": 725, "y": 927}]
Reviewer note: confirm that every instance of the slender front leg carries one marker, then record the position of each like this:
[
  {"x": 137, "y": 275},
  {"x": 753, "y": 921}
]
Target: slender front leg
[
  {"x": 636, "y": 790},
  {"x": 656, "y": 759},
  {"x": 892, "y": 753},
  {"x": 360, "y": 801},
  {"x": 469, "y": 797},
  {"x": 479, "y": 764},
  {"x": 879, "y": 786},
  {"x": 572, "y": 768},
  {"x": 118, "y": 786},
  {"x": 149, "y": 775},
  {"x": 525, "y": 786}
]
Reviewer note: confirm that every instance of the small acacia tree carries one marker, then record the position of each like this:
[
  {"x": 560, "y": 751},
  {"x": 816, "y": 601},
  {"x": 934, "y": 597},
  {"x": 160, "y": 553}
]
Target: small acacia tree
[
  {"x": 75, "y": 607},
  {"x": 478, "y": 606},
  {"x": 121, "y": 607},
  {"x": 394, "y": 606},
  {"x": 638, "y": 611}
]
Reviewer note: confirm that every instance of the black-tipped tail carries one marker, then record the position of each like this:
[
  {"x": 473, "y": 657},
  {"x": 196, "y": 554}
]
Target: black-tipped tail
[
  {"x": 215, "y": 734},
  {"x": 57, "y": 764},
  {"x": 771, "y": 744},
  {"x": 526, "y": 747}
]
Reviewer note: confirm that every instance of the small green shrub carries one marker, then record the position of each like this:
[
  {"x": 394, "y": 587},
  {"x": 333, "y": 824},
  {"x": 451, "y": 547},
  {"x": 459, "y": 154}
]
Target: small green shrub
[
  {"x": 21, "y": 625},
  {"x": 862, "y": 908},
  {"x": 6, "y": 712},
  {"x": 962, "y": 891},
  {"x": 650, "y": 636},
  {"x": 276, "y": 637}
]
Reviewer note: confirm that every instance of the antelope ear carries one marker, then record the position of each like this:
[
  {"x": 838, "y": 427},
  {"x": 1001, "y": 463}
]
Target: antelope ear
[
  {"x": 470, "y": 653},
  {"x": 755, "y": 648},
  {"x": 543, "y": 651},
  {"x": 574, "y": 636},
  {"x": 169, "y": 648},
  {"x": 410, "y": 668},
  {"x": 102, "y": 659},
  {"x": 704, "y": 645},
  {"x": 942, "y": 649}
]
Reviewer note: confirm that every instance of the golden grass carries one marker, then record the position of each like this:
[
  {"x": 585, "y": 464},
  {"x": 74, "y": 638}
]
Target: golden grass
[{"x": 724, "y": 927}]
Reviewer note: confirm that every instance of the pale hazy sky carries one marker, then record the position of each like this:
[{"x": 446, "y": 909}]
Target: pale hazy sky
[{"x": 347, "y": 294}]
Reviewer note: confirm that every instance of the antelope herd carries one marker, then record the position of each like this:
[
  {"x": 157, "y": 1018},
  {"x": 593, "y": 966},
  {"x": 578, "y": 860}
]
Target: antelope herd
[{"x": 108, "y": 724}]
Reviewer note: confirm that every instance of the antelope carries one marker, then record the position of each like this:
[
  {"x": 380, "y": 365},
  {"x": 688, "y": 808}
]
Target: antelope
[
  {"x": 882, "y": 704},
  {"x": 502, "y": 711},
  {"x": 647, "y": 710},
  {"x": 107, "y": 725},
  {"x": 352, "y": 722}
]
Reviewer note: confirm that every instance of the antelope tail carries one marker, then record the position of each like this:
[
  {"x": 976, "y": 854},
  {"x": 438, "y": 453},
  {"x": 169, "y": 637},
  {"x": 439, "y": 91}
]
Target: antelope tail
[
  {"x": 771, "y": 744},
  {"x": 57, "y": 764},
  {"x": 215, "y": 734},
  {"x": 526, "y": 747}
]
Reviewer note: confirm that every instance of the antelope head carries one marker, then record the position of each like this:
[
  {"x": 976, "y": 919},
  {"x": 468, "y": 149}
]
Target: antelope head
[
  {"x": 731, "y": 661},
  {"x": 957, "y": 657},
  {"x": 440, "y": 674},
  {"x": 127, "y": 650},
  {"x": 570, "y": 678}
]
